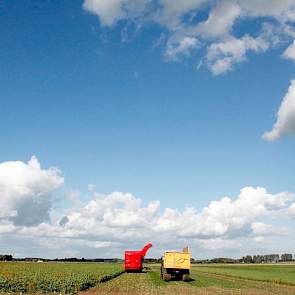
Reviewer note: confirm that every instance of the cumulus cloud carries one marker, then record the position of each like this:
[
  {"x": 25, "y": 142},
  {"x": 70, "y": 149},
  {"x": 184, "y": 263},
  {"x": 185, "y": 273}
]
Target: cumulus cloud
[
  {"x": 186, "y": 32},
  {"x": 112, "y": 222},
  {"x": 25, "y": 191},
  {"x": 285, "y": 123},
  {"x": 120, "y": 217}
]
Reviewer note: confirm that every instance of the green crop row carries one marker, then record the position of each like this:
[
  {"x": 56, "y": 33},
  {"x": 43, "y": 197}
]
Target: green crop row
[{"x": 54, "y": 277}]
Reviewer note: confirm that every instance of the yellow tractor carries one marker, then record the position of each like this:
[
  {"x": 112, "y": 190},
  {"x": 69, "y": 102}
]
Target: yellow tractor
[{"x": 176, "y": 265}]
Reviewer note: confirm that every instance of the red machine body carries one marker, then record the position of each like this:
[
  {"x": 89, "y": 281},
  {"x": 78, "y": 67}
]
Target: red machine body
[{"x": 133, "y": 259}]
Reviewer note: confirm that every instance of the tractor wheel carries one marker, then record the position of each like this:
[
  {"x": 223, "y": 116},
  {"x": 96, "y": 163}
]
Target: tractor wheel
[
  {"x": 164, "y": 275},
  {"x": 185, "y": 277},
  {"x": 167, "y": 277}
]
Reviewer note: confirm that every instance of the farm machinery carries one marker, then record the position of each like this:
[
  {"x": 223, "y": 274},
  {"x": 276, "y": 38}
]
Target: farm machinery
[
  {"x": 133, "y": 259},
  {"x": 176, "y": 265}
]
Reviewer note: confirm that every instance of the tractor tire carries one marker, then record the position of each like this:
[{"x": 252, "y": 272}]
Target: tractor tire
[
  {"x": 164, "y": 275},
  {"x": 167, "y": 277},
  {"x": 185, "y": 277}
]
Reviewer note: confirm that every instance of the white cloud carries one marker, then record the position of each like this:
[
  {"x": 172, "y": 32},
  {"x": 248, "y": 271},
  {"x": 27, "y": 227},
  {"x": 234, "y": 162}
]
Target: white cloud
[
  {"x": 25, "y": 191},
  {"x": 220, "y": 20},
  {"x": 120, "y": 216},
  {"x": 282, "y": 9},
  {"x": 285, "y": 123},
  {"x": 291, "y": 210},
  {"x": 218, "y": 244},
  {"x": 222, "y": 56},
  {"x": 185, "y": 31},
  {"x": 6, "y": 227},
  {"x": 112, "y": 11},
  {"x": 183, "y": 47},
  {"x": 260, "y": 228},
  {"x": 109, "y": 11},
  {"x": 170, "y": 12},
  {"x": 117, "y": 210},
  {"x": 290, "y": 52},
  {"x": 113, "y": 222},
  {"x": 259, "y": 239}
]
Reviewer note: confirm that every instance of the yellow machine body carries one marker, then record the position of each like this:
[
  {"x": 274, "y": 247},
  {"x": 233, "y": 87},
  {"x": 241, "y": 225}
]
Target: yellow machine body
[{"x": 178, "y": 260}]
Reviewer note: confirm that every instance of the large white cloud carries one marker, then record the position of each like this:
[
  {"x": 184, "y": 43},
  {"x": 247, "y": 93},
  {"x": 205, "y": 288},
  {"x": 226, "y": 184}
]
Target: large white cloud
[
  {"x": 120, "y": 219},
  {"x": 186, "y": 32},
  {"x": 25, "y": 191},
  {"x": 110, "y": 223},
  {"x": 285, "y": 123}
]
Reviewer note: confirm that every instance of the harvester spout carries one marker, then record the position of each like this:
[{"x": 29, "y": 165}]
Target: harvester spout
[{"x": 145, "y": 249}]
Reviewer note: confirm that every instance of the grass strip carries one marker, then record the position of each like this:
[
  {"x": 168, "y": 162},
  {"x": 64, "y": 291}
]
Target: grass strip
[
  {"x": 156, "y": 279},
  {"x": 273, "y": 281}
]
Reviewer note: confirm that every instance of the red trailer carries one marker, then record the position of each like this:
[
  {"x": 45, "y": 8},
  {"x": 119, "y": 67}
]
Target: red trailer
[{"x": 133, "y": 259}]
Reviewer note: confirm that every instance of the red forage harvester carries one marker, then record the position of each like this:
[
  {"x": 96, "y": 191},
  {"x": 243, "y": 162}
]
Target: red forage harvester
[{"x": 133, "y": 259}]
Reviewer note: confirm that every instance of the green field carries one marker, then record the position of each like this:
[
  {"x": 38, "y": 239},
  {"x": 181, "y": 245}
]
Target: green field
[
  {"x": 284, "y": 274},
  {"x": 91, "y": 278},
  {"x": 53, "y": 277}
]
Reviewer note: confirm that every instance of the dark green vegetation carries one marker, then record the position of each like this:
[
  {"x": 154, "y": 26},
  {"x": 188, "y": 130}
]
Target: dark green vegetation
[{"x": 27, "y": 277}]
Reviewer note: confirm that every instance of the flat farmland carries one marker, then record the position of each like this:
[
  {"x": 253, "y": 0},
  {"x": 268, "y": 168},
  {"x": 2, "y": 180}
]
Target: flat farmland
[
  {"x": 91, "y": 279},
  {"x": 281, "y": 274},
  {"x": 208, "y": 279},
  {"x": 26, "y": 277}
]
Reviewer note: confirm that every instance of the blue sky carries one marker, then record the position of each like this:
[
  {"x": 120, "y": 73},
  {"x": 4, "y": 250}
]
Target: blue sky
[{"x": 114, "y": 98}]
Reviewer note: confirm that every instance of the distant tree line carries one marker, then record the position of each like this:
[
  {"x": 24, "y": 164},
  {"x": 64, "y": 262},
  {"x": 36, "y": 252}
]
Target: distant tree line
[
  {"x": 6, "y": 258},
  {"x": 72, "y": 259},
  {"x": 215, "y": 260},
  {"x": 271, "y": 258}
]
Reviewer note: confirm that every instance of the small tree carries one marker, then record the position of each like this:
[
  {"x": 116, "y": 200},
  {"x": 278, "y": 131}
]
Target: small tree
[{"x": 247, "y": 259}]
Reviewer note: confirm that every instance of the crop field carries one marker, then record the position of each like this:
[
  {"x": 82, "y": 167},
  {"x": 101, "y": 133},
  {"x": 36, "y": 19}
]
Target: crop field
[
  {"x": 23, "y": 277},
  {"x": 91, "y": 279}
]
